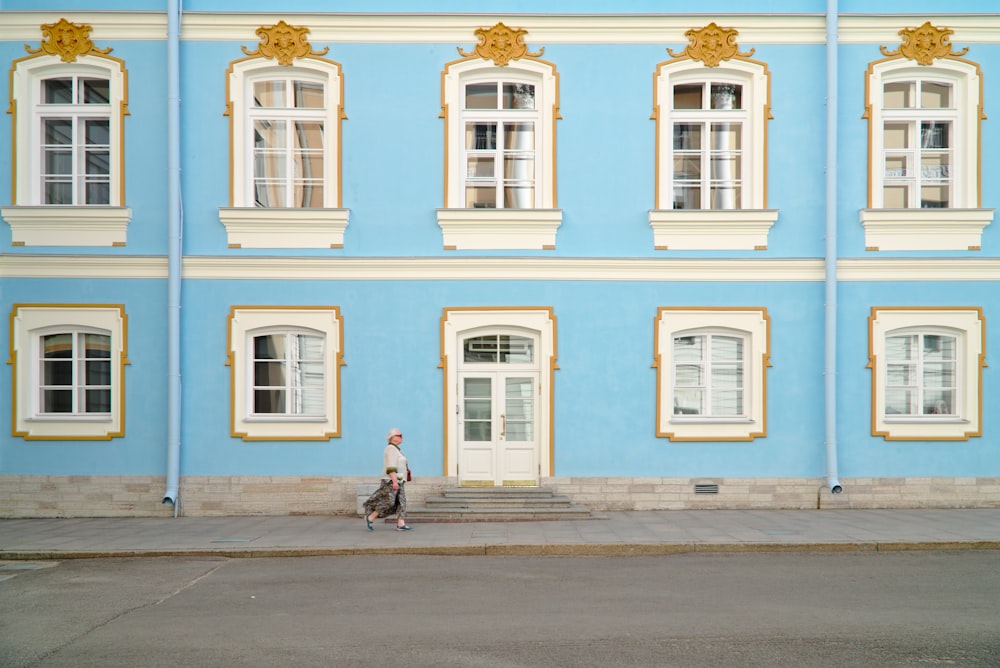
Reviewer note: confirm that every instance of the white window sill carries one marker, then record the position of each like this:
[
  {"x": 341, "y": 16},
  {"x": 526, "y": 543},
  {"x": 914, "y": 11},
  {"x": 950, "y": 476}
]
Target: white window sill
[
  {"x": 67, "y": 225},
  {"x": 711, "y": 229},
  {"x": 284, "y": 419},
  {"x": 705, "y": 420},
  {"x": 259, "y": 227},
  {"x": 499, "y": 229},
  {"x": 924, "y": 229},
  {"x": 913, "y": 419}
]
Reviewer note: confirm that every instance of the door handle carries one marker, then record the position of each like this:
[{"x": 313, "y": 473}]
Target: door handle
[{"x": 503, "y": 424}]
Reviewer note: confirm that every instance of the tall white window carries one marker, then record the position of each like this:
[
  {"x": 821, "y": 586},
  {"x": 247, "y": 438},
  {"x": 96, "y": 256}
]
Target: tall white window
[
  {"x": 711, "y": 373},
  {"x": 286, "y": 154},
  {"x": 69, "y": 371},
  {"x": 500, "y": 169},
  {"x": 288, "y": 374},
  {"x": 924, "y": 162},
  {"x": 68, "y": 147},
  {"x": 926, "y": 372},
  {"x": 711, "y": 150},
  {"x": 708, "y": 123},
  {"x": 285, "y": 367}
]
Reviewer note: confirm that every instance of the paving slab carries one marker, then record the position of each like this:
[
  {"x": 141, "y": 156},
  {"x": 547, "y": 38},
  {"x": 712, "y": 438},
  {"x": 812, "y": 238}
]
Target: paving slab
[{"x": 614, "y": 533}]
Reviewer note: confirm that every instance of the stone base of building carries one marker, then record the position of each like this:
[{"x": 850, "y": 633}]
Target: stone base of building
[{"x": 23, "y": 496}]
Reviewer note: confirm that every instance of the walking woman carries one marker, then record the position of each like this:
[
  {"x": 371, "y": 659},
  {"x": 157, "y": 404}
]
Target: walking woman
[{"x": 390, "y": 497}]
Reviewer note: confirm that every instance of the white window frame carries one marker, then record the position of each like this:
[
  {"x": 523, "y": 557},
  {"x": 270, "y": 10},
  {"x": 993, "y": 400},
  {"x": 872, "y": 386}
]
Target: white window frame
[
  {"x": 538, "y": 322},
  {"x": 968, "y": 325},
  {"x": 753, "y": 326},
  {"x": 960, "y": 226},
  {"x": 29, "y": 322},
  {"x": 250, "y": 226},
  {"x": 32, "y": 222},
  {"x": 747, "y": 227},
  {"x": 499, "y": 229},
  {"x": 245, "y": 322}
]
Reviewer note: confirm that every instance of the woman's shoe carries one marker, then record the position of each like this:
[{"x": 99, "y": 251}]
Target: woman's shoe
[
  {"x": 369, "y": 523},
  {"x": 403, "y": 527}
]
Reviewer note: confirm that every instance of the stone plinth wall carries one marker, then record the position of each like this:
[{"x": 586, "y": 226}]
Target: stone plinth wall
[{"x": 141, "y": 496}]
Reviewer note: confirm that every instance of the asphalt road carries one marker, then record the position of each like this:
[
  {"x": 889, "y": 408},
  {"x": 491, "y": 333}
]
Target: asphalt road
[{"x": 753, "y": 609}]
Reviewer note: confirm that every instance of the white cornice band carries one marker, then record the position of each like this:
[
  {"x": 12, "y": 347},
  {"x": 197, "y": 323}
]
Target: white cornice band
[
  {"x": 502, "y": 269},
  {"x": 543, "y": 29}
]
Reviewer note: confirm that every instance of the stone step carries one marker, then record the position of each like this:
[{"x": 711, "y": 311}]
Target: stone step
[
  {"x": 497, "y": 504},
  {"x": 425, "y": 514}
]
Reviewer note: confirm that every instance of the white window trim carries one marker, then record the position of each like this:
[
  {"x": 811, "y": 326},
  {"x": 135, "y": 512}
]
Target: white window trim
[
  {"x": 249, "y": 226},
  {"x": 33, "y": 223},
  {"x": 754, "y": 324},
  {"x": 956, "y": 228},
  {"x": 714, "y": 229},
  {"x": 969, "y": 325},
  {"x": 244, "y": 322},
  {"x": 27, "y": 321},
  {"x": 499, "y": 229},
  {"x": 456, "y": 324}
]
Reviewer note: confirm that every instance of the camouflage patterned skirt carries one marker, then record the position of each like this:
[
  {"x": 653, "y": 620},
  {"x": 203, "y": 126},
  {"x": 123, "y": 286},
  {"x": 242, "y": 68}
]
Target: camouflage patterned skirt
[{"x": 386, "y": 501}]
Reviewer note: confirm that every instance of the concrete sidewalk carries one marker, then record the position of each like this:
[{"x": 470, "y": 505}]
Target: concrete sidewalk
[{"x": 614, "y": 533}]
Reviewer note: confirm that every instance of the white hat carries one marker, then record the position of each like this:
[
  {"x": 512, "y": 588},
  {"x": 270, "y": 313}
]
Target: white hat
[{"x": 394, "y": 432}]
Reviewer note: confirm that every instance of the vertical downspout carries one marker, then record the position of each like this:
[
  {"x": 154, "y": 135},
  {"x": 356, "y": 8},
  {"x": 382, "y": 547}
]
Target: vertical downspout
[
  {"x": 174, "y": 249},
  {"x": 830, "y": 347}
]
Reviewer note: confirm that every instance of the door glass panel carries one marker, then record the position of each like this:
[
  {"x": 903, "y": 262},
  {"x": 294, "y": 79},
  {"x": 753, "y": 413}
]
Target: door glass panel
[
  {"x": 503, "y": 348},
  {"x": 478, "y": 404},
  {"x": 519, "y": 409}
]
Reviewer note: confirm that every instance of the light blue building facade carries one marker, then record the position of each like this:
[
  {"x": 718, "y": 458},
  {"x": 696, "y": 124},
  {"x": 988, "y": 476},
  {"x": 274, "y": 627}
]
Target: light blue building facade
[{"x": 650, "y": 258}]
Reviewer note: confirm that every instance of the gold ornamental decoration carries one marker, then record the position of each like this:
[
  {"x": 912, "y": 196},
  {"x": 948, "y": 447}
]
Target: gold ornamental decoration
[
  {"x": 501, "y": 45},
  {"x": 66, "y": 40},
  {"x": 284, "y": 43},
  {"x": 711, "y": 45},
  {"x": 924, "y": 44}
]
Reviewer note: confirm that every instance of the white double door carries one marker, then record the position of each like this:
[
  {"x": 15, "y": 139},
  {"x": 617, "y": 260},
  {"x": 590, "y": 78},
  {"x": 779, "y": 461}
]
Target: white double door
[{"x": 498, "y": 428}]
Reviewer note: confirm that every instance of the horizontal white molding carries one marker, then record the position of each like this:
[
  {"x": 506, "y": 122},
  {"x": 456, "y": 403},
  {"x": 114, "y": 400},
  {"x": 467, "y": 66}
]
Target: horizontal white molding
[
  {"x": 107, "y": 25},
  {"x": 502, "y": 268},
  {"x": 542, "y": 28}
]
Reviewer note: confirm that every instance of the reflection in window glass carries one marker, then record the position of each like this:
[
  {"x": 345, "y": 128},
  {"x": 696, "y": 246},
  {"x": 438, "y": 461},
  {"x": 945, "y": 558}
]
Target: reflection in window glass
[
  {"x": 709, "y": 375},
  {"x": 288, "y": 374},
  {"x": 75, "y": 373},
  {"x": 921, "y": 374},
  {"x": 499, "y": 348}
]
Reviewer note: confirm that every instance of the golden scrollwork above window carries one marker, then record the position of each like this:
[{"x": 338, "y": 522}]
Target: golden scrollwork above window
[
  {"x": 924, "y": 44},
  {"x": 501, "y": 45},
  {"x": 66, "y": 40},
  {"x": 284, "y": 43},
  {"x": 711, "y": 45}
]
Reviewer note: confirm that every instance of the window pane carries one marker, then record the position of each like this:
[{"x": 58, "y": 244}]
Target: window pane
[
  {"x": 940, "y": 402},
  {"x": 727, "y": 349},
  {"x": 687, "y": 197},
  {"x": 97, "y": 401},
  {"x": 896, "y": 135},
  {"x": 518, "y": 197},
  {"x": 934, "y": 197},
  {"x": 58, "y": 131},
  {"x": 939, "y": 374},
  {"x": 57, "y": 372},
  {"x": 57, "y": 346},
  {"x": 308, "y": 195},
  {"x": 688, "y": 96},
  {"x": 727, "y": 96},
  {"x": 935, "y": 135},
  {"x": 520, "y": 167},
  {"x": 901, "y": 375},
  {"x": 516, "y": 349},
  {"x": 901, "y": 347},
  {"x": 898, "y": 402},
  {"x": 518, "y": 96},
  {"x": 726, "y": 197},
  {"x": 895, "y": 166},
  {"x": 689, "y": 348},
  {"x": 935, "y": 95},
  {"x": 481, "y": 96},
  {"x": 896, "y": 197},
  {"x": 308, "y": 95},
  {"x": 57, "y": 401},
  {"x": 269, "y": 374},
  {"x": 727, "y": 136},
  {"x": 58, "y": 192},
  {"x": 478, "y": 431},
  {"x": 269, "y": 347},
  {"x": 57, "y": 91},
  {"x": 726, "y": 167},
  {"x": 481, "y": 197},
  {"x": 269, "y": 94},
  {"x": 98, "y": 373},
  {"x": 687, "y": 167},
  {"x": 481, "y": 136},
  {"x": 481, "y": 349},
  {"x": 97, "y": 163},
  {"x": 268, "y": 401},
  {"x": 687, "y": 136},
  {"x": 689, "y": 402},
  {"x": 689, "y": 375},
  {"x": 935, "y": 166},
  {"x": 519, "y": 136},
  {"x": 727, "y": 403},
  {"x": 480, "y": 166},
  {"x": 96, "y": 91},
  {"x": 898, "y": 95}
]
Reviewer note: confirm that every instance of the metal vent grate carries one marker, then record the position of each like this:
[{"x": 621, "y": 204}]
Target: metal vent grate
[{"x": 706, "y": 489}]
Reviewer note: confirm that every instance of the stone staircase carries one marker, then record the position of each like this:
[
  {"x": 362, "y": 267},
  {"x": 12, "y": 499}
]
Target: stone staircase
[{"x": 496, "y": 504}]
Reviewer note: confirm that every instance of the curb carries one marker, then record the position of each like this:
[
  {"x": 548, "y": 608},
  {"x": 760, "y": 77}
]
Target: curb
[{"x": 560, "y": 550}]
